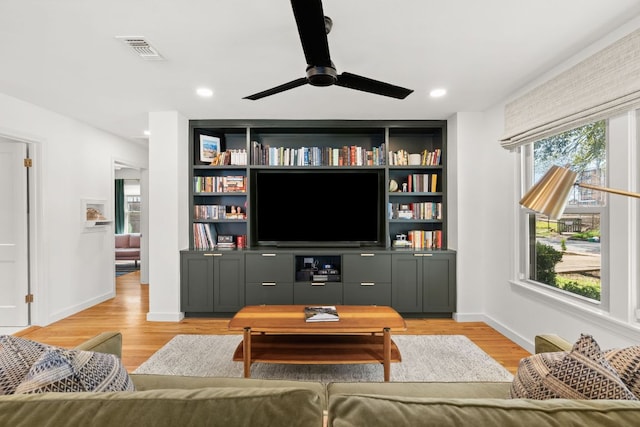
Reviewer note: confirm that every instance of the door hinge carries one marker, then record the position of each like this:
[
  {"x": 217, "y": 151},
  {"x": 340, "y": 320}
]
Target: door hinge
[
  {"x": 28, "y": 298},
  {"x": 28, "y": 162}
]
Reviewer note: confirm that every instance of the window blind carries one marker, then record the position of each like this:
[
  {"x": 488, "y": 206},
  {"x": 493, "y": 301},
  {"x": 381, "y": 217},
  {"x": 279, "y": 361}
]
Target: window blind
[{"x": 600, "y": 86}]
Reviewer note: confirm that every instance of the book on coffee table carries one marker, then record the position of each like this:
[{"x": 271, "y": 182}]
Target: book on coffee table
[{"x": 321, "y": 313}]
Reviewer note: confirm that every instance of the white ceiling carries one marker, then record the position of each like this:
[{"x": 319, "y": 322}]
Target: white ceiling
[{"x": 63, "y": 55}]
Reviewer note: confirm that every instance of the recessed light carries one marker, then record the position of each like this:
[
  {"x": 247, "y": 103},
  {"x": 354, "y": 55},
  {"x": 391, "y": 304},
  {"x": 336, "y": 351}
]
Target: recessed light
[
  {"x": 437, "y": 93},
  {"x": 204, "y": 92},
  {"x": 146, "y": 133}
]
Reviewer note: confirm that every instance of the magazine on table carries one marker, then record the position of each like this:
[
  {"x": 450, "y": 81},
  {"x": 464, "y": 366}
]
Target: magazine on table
[{"x": 321, "y": 313}]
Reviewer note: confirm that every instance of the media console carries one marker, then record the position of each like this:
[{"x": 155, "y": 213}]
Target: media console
[{"x": 414, "y": 283}]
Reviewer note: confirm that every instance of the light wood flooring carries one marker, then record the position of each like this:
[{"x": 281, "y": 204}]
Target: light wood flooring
[{"x": 127, "y": 314}]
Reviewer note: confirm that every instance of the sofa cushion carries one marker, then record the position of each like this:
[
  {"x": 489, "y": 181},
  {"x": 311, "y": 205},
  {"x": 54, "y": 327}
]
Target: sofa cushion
[
  {"x": 531, "y": 371},
  {"x": 122, "y": 240},
  {"x": 582, "y": 373},
  {"x": 210, "y": 406},
  {"x": 382, "y": 411},
  {"x": 16, "y": 357},
  {"x": 626, "y": 361},
  {"x": 134, "y": 240},
  {"x": 60, "y": 370}
]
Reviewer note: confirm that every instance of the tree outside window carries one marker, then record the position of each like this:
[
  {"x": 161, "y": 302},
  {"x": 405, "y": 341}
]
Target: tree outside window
[{"x": 566, "y": 254}]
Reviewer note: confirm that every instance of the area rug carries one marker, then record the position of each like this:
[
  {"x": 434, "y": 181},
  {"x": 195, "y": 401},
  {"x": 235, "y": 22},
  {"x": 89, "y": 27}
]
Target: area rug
[
  {"x": 445, "y": 358},
  {"x": 126, "y": 268}
]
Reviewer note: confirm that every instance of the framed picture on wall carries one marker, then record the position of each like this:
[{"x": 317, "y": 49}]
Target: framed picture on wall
[{"x": 210, "y": 148}]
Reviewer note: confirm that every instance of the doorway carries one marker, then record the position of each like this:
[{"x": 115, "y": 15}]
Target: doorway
[
  {"x": 128, "y": 205},
  {"x": 15, "y": 300}
]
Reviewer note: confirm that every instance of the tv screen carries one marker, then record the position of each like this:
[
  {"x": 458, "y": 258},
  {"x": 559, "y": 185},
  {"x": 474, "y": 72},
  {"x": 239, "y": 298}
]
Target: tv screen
[{"x": 317, "y": 208}]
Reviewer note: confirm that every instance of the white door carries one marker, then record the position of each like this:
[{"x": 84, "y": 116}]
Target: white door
[{"x": 14, "y": 282}]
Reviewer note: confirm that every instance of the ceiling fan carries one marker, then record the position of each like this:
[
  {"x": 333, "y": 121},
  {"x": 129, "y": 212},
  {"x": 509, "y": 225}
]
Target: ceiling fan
[{"x": 313, "y": 28}]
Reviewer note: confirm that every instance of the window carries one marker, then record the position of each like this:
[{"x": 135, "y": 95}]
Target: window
[
  {"x": 132, "y": 206},
  {"x": 567, "y": 254}
]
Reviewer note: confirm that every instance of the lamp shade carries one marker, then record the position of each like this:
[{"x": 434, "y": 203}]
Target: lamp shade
[{"x": 549, "y": 195}]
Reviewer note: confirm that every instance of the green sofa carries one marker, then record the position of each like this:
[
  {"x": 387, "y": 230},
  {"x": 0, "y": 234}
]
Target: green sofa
[{"x": 161, "y": 400}]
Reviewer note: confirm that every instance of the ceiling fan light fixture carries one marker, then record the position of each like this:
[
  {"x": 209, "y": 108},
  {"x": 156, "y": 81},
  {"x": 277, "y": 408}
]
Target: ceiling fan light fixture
[{"x": 321, "y": 76}]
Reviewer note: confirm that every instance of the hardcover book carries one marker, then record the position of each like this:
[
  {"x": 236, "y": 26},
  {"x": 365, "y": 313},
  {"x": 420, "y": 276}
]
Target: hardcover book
[{"x": 322, "y": 313}]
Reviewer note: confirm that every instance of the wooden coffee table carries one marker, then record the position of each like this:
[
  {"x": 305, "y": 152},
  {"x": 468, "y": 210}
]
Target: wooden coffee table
[{"x": 280, "y": 334}]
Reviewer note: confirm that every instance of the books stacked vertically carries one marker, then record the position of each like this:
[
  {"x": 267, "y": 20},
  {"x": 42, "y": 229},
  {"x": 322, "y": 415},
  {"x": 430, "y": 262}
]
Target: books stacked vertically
[
  {"x": 321, "y": 313},
  {"x": 204, "y": 236}
]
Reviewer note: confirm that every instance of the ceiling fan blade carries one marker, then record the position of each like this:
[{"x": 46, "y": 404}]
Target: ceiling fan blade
[
  {"x": 313, "y": 35},
  {"x": 292, "y": 84},
  {"x": 353, "y": 81}
]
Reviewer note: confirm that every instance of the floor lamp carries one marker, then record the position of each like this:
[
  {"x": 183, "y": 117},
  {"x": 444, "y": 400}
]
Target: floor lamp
[{"x": 549, "y": 195}]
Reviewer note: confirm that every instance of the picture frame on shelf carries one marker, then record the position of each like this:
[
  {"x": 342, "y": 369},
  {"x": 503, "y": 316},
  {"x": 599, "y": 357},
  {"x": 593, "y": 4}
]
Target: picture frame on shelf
[{"x": 210, "y": 148}]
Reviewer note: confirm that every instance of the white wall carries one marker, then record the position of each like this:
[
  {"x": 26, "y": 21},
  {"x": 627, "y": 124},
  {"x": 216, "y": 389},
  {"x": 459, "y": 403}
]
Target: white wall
[
  {"x": 480, "y": 216},
  {"x": 168, "y": 212},
  {"x": 72, "y": 268},
  {"x": 517, "y": 311}
]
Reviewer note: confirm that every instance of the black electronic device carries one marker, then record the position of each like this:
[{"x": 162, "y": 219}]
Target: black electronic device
[
  {"x": 333, "y": 208},
  {"x": 326, "y": 277}
]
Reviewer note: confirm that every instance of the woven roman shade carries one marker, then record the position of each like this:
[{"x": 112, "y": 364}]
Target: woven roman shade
[{"x": 605, "y": 84}]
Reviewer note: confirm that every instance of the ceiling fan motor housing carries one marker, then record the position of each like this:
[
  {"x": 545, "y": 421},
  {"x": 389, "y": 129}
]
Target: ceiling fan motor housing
[{"x": 321, "y": 76}]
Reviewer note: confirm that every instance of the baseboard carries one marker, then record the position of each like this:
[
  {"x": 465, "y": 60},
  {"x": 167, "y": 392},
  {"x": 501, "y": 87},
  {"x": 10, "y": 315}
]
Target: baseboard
[
  {"x": 526, "y": 343},
  {"x": 165, "y": 317}
]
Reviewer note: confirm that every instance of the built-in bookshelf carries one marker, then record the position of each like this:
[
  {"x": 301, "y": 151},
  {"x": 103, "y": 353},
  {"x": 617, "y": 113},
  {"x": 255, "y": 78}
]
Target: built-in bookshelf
[
  {"x": 412, "y": 155},
  {"x": 309, "y": 183}
]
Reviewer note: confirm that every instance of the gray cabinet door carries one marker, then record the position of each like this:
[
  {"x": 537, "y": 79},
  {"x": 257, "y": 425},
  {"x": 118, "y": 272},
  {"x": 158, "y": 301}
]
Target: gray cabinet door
[
  {"x": 438, "y": 278},
  {"x": 228, "y": 282},
  {"x": 269, "y": 278},
  {"x": 269, "y": 267},
  {"x": 196, "y": 278},
  {"x": 317, "y": 293},
  {"x": 274, "y": 293},
  {"x": 406, "y": 294},
  {"x": 367, "y": 278}
]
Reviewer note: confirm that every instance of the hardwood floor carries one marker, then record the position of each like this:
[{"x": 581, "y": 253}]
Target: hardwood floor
[{"x": 127, "y": 314}]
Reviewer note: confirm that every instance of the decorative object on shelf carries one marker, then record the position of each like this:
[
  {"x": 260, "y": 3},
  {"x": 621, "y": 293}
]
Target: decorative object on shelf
[
  {"x": 401, "y": 241},
  {"x": 210, "y": 148},
  {"x": 549, "y": 195},
  {"x": 93, "y": 212},
  {"x": 415, "y": 159},
  {"x": 393, "y": 185}
]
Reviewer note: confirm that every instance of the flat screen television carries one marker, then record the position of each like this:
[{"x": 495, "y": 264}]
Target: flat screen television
[{"x": 327, "y": 207}]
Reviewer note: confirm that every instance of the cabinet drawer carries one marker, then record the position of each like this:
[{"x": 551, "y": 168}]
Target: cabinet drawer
[
  {"x": 269, "y": 267},
  {"x": 367, "y": 293},
  {"x": 269, "y": 293},
  {"x": 366, "y": 267},
  {"x": 318, "y": 293}
]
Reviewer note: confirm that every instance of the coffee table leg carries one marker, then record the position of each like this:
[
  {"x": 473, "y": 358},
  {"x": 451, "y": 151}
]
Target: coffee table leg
[
  {"x": 246, "y": 352},
  {"x": 386, "y": 333}
]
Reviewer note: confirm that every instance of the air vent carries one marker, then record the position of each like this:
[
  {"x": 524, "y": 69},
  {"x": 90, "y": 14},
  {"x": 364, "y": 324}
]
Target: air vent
[{"x": 141, "y": 47}]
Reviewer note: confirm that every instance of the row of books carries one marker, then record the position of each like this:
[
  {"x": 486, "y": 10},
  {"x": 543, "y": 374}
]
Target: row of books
[
  {"x": 230, "y": 157},
  {"x": 218, "y": 212},
  {"x": 422, "y": 183},
  {"x": 427, "y": 158},
  {"x": 220, "y": 184},
  {"x": 204, "y": 236},
  {"x": 420, "y": 210},
  {"x": 425, "y": 239},
  {"x": 352, "y": 155}
]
